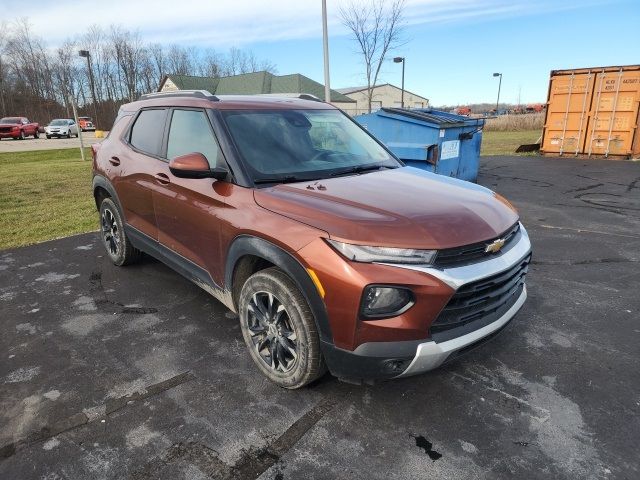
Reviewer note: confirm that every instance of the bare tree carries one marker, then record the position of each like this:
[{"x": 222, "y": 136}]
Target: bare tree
[
  {"x": 376, "y": 26},
  {"x": 37, "y": 79}
]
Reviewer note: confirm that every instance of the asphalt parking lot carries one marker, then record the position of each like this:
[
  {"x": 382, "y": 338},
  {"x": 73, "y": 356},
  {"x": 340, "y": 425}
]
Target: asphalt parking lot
[
  {"x": 137, "y": 373},
  {"x": 44, "y": 143}
]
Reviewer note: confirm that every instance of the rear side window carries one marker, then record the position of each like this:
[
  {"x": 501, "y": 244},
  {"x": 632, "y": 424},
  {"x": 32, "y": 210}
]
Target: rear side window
[
  {"x": 146, "y": 133},
  {"x": 191, "y": 132}
]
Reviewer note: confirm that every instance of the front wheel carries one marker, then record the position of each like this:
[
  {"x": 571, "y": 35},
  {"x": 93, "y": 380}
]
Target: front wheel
[
  {"x": 114, "y": 238},
  {"x": 279, "y": 329},
  {"x": 21, "y": 137}
]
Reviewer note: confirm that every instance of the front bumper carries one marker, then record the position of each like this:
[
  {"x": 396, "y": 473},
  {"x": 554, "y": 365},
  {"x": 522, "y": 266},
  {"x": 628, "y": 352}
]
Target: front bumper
[
  {"x": 392, "y": 359},
  {"x": 9, "y": 134}
]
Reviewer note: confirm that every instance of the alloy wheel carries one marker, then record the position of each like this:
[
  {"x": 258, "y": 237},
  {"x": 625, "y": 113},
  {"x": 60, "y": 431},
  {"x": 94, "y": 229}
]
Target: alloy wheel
[
  {"x": 110, "y": 232},
  {"x": 272, "y": 333}
]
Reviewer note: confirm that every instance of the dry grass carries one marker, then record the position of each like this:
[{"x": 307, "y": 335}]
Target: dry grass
[
  {"x": 515, "y": 123},
  {"x": 505, "y": 143}
]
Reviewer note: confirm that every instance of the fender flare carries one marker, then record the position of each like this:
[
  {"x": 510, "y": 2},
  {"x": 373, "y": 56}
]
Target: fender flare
[
  {"x": 103, "y": 182},
  {"x": 259, "y": 247}
]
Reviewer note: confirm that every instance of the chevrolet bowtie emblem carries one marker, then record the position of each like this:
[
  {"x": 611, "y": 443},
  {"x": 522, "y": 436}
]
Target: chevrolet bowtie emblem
[{"x": 495, "y": 246}]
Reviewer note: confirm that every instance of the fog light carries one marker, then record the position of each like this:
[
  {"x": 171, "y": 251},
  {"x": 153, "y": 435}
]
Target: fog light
[{"x": 384, "y": 301}]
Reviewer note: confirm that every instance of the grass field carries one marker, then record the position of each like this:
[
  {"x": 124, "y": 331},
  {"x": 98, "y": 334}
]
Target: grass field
[
  {"x": 44, "y": 195},
  {"x": 505, "y": 143}
]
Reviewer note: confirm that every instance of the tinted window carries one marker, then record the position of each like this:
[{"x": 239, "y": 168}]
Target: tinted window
[
  {"x": 146, "y": 134},
  {"x": 190, "y": 132}
]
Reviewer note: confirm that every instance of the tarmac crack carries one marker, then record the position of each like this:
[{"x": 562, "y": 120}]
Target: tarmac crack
[
  {"x": 96, "y": 289},
  {"x": 582, "y": 230},
  {"x": 79, "y": 419},
  {"x": 588, "y": 187},
  {"x": 594, "y": 261},
  {"x": 252, "y": 463}
]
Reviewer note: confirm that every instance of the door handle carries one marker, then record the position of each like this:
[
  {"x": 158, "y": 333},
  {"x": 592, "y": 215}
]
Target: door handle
[
  {"x": 162, "y": 178},
  {"x": 115, "y": 161}
]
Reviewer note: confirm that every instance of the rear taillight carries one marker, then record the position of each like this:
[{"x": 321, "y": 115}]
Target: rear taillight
[{"x": 94, "y": 150}]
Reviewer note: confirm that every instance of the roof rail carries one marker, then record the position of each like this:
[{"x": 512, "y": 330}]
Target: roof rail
[
  {"x": 205, "y": 94},
  {"x": 301, "y": 96}
]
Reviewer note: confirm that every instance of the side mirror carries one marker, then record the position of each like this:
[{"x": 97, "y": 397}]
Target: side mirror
[{"x": 195, "y": 165}]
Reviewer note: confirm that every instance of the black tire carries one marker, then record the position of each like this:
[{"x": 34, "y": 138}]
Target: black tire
[
  {"x": 113, "y": 236},
  {"x": 69, "y": 134},
  {"x": 36, "y": 134},
  {"x": 48, "y": 136},
  {"x": 21, "y": 137},
  {"x": 283, "y": 343}
]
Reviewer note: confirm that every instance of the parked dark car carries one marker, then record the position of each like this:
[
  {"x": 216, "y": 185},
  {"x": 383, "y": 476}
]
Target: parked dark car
[
  {"x": 333, "y": 253},
  {"x": 18, "y": 128}
]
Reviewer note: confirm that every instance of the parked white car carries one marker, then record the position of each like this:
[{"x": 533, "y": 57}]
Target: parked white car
[{"x": 61, "y": 127}]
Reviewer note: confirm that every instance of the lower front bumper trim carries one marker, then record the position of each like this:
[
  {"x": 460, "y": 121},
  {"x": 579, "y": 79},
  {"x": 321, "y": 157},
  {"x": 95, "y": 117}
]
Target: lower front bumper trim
[{"x": 430, "y": 355}]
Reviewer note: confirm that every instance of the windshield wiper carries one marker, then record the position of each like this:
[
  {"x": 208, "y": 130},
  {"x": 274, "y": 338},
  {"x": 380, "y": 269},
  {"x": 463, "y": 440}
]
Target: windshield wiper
[
  {"x": 283, "y": 179},
  {"x": 359, "y": 169}
]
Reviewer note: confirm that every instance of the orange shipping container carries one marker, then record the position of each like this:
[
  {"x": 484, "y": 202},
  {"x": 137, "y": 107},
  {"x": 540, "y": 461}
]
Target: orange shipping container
[{"x": 593, "y": 112}]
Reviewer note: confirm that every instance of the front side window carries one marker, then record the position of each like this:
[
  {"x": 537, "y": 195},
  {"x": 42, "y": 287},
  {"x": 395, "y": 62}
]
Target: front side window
[
  {"x": 147, "y": 131},
  {"x": 190, "y": 132},
  {"x": 303, "y": 144}
]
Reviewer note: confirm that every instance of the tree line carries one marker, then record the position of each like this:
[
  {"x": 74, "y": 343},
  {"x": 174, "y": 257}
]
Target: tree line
[{"x": 37, "y": 80}]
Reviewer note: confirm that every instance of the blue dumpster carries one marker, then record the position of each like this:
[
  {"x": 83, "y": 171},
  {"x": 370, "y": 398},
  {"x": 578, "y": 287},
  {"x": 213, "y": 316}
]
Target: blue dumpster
[{"x": 432, "y": 140}]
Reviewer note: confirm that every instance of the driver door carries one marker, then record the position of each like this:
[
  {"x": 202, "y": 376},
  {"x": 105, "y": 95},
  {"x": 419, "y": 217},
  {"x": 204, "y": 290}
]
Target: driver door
[{"x": 187, "y": 209}]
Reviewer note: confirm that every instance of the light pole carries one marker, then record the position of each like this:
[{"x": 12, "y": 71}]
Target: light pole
[
  {"x": 499, "y": 85},
  {"x": 87, "y": 55},
  {"x": 401, "y": 60},
  {"x": 325, "y": 47}
]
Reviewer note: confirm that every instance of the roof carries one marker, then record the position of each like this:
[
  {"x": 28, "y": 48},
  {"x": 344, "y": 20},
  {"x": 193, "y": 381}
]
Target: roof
[
  {"x": 350, "y": 90},
  {"x": 435, "y": 117},
  {"x": 254, "y": 83}
]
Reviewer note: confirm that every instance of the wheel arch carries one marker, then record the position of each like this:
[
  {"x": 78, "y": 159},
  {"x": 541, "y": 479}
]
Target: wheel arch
[
  {"x": 249, "y": 254},
  {"x": 102, "y": 189}
]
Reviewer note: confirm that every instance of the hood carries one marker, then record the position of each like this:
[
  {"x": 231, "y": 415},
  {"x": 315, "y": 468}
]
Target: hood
[{"x": 404, "y": 207}]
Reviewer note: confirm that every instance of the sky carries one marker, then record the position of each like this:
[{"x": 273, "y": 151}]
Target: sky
[{"x": 452, "y": 47}]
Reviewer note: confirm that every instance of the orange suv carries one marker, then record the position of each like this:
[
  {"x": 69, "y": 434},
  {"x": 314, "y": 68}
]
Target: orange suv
[{"x": 333, "y": 253}]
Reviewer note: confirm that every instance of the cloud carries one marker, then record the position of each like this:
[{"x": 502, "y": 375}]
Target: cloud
[{"x": 221, "y": 24}]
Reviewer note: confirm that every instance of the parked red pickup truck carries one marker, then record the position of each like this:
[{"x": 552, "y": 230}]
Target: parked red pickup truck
[{"x": 18, "y": 128}]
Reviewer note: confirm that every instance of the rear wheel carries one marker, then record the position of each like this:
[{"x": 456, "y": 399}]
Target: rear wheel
[
  {"x": 114, "y": 238},
  {"x": 279, "y": 329},
  {"x": 36, "y": 134}
]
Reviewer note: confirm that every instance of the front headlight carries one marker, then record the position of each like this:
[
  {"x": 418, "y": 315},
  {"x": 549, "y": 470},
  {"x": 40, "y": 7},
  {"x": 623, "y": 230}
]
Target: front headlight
[{"x": 370, "y": 254}]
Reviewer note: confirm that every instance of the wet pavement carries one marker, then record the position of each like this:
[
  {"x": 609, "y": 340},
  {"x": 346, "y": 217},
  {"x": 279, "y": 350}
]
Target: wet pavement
[{"x": 136, "y": 373}]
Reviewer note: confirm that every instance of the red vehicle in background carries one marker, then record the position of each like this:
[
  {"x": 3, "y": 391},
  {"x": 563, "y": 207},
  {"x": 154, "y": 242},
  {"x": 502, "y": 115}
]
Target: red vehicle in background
[
  {"x": 86, "y": 124},
  {"x": 18, "y": 128}
]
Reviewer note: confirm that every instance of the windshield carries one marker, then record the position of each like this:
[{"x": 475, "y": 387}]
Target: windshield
[
  {"x": 299, "y": 145},
  {"x": 59, "y": 122},
  {"x": 8, "y": 120}
]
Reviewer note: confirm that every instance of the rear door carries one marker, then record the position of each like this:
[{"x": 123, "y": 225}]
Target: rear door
[
  {"x": 136, "y": 166},
  {"x": 187, "y": 209}
]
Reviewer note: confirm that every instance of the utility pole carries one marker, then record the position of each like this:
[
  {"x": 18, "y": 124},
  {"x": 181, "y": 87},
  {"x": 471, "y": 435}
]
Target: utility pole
[
  {"x": 75, "y": 117},
  {"x": 87, "y": 55},
  {"x": 325, "y": 46},
  {"x": 499, "y": 85},
  {"x": 402, "y": 61}
]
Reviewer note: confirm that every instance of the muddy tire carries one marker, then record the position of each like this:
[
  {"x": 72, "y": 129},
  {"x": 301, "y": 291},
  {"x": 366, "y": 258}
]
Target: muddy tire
[
  {"x": 279, "y": 329},
  {"x": 115, "y": 240}
]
